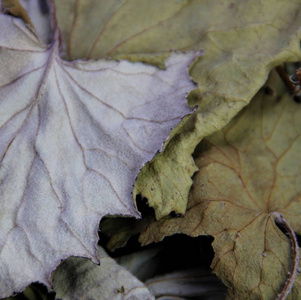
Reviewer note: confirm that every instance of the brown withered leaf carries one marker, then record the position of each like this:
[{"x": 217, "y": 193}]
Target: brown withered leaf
[{"x": 249, "y": 177}]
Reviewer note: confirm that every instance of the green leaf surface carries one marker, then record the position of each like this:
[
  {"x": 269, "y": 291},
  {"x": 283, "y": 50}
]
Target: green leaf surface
[{"x": 242, "y": 42}]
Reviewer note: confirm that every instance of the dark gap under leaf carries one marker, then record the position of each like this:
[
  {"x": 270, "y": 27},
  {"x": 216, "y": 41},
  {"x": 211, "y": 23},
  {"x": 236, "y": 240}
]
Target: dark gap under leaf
[
  {"x": 298, "y": 239},
  {"x": 182, "y": 252},
  {"x": 297, "y": 99},
  {"x": 44, "y": 6},
  {"x": 143, "y": 207}
]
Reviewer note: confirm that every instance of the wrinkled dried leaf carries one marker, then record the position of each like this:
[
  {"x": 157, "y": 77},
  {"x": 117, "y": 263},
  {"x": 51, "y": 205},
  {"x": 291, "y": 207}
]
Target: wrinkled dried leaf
[
  {"x": 249, "y": 172},
  {"x": 242, "y": 40},
  {"x": 79, "y": 278},
  {"x": 73, "y": 139}
]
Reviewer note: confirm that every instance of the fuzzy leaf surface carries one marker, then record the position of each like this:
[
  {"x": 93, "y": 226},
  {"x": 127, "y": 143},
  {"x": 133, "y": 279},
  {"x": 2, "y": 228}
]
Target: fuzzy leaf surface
[
  {"x": 74, "y": 136},
  {"x": 79, "y": 278},
  {"x": 248, "y": 171},
  {"x": 242, "y": 42}
]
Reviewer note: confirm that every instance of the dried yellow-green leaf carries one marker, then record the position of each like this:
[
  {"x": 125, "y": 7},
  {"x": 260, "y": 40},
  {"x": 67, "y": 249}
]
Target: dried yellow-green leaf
[
  {"x": 249, "y": 173},
  {"x": 242, "y": 41}
]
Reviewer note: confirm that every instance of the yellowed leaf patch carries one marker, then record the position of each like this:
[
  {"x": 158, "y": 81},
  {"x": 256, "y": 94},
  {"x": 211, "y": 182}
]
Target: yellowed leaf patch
[
  {"x": 249, "y": 173},
  {"x": 242, "y": 42}
]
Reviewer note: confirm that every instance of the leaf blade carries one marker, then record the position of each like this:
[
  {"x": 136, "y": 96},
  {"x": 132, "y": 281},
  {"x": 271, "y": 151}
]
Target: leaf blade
[{"x": 73, "y": 141}]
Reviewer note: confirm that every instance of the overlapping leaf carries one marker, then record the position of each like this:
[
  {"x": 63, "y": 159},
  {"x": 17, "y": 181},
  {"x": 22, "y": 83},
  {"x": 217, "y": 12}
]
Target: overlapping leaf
[
  {"x": 242, "y": 40},
  {"x": 79, "y": 278},
  {"x": 249, "y": 173},
  {"x": 73, "y": 138}
]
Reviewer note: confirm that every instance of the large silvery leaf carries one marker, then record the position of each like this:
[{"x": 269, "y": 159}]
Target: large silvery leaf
[
  {"x": 74, "y": 136},
  {"x": 79, "y": 278},
  {"x": 242, "y": 41}
]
